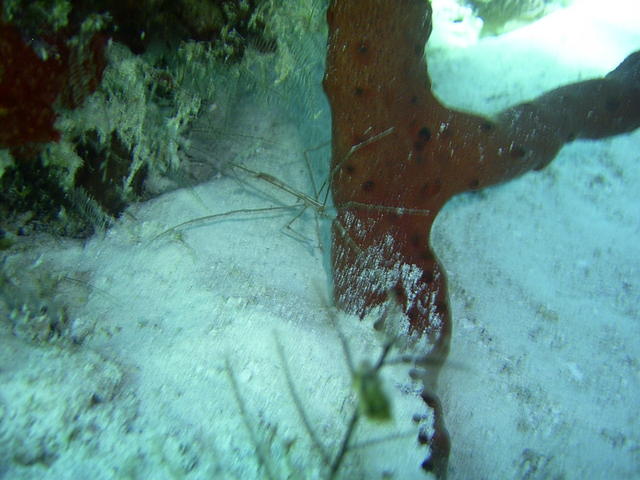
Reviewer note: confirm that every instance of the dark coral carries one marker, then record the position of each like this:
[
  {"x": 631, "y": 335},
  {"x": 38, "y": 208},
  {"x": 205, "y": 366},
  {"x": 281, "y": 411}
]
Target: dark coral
[
  {"x": 52, "y": 62},
  {"x": 29, "y": 87},
  {"x": 104, "y": 170},
  {"x": 228, "y": 25},
  {"x": 42, "y": 71},
  {"x": 35, "y": 82}
]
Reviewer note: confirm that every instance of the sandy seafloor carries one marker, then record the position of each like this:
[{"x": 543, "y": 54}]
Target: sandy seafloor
[{"x": 544, "y": 273}]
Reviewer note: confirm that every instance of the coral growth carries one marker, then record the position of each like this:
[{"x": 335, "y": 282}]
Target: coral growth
[
  {"x": 153, "y": 67},
  {"x": 230, "y": 26},
  {"x": 34, "y": 82},
  {"x": 44, "y": 73},
  {"x": 29, "y": 86},
  {"x": 499, "y": 16}
]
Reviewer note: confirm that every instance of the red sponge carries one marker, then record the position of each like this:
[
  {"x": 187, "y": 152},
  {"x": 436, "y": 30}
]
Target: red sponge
[{"x": 398, "y": 155}]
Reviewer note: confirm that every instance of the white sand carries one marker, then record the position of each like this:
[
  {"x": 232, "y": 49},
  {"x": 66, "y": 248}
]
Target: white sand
[{"x": 544, "y": 272}]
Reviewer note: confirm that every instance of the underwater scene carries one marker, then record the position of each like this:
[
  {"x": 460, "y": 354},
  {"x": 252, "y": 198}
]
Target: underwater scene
[{"x": 319, "y": 239}]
